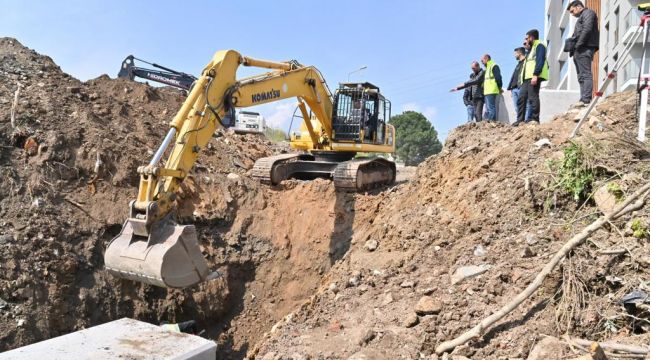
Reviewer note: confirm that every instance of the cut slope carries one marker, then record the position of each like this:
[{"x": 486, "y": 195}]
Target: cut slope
[{"x": 489, "y": 201}]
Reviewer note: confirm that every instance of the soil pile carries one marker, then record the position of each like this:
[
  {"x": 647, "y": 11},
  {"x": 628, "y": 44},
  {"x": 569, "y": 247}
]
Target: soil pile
[{"x": 433, "y": 257}]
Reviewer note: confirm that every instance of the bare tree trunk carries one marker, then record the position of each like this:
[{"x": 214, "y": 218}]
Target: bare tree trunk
[{"x": 578, "y": 239}]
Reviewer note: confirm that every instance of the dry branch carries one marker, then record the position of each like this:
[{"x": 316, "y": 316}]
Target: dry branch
[
  {"x": 610, "y": 346},
  {"x": 625, "y": 207}
]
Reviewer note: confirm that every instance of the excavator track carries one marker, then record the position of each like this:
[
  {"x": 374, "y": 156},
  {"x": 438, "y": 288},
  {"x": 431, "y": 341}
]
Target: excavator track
[
  {"x": 363, "y": 174},
  {"x": 358, "y": 174},
  {"x": 265, "y": 169}
]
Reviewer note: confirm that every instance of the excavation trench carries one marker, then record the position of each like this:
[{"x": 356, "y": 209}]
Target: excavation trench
[
  {"x": 67, "y": 173},
  {"x": 272, "y": 254}
]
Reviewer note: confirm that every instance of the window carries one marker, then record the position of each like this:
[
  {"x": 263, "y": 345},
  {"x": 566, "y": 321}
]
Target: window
[
  {"x": 605, "y": 48},
  {"x": 617, "y": 23},
  {"x": 632, "y": 19},
  {"x": 631, "y": 69},
  {"x": 564, "y": 68}
]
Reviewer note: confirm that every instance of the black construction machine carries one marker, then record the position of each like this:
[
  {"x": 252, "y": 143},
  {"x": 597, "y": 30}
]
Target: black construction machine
[{"x": 165, "y": 75}]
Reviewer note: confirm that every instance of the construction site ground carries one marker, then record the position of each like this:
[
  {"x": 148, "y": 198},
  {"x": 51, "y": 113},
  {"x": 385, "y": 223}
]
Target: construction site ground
[{"x": 308, "y": 272}]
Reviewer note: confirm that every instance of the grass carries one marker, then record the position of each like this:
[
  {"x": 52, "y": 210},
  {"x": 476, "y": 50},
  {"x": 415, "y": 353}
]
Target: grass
[
  {"x": 639, "y": 228},
  {"x": 275, "y": 135},
  {"x": 615, "y": 189}
]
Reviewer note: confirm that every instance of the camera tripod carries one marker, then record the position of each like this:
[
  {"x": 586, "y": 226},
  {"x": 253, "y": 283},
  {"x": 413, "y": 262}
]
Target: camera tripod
[{"x": 643, "y": 83}]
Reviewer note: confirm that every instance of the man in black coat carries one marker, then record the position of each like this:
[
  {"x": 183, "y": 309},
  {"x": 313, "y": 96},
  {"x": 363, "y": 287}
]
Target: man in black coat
[
  {"x": 474, "y": 90},
  {"x": 586, "y": 37}
]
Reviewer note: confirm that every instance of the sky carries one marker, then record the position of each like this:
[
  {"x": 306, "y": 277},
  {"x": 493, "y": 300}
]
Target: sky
[{"x": 414, "y": 50}]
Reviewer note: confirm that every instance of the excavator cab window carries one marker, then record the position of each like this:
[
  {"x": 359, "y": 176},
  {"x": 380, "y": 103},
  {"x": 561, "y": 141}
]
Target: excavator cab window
[
  {"x": 381, "y": 122},
  {"x": 357, "y": 109}
]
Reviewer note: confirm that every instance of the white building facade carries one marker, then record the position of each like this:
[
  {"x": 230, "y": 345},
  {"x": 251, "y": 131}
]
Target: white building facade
[
  {"x": 619, "y": 22},
  {"x": 558, "y": 26}
]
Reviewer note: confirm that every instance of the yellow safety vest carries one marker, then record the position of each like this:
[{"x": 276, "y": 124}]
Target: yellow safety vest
[
  {"x": 530, "y": 64},
  {"x": 490, "y": 86}
]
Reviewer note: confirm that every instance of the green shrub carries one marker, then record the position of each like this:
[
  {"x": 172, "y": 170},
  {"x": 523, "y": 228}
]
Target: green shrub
[
  {"x": 640, "y": 230},
  {"x": 574, "y": 175},
  {"x": 615, "y": 189}
]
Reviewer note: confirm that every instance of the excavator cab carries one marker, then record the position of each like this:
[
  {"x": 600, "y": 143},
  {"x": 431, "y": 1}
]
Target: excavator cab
[{"x": 360, "y": 113}]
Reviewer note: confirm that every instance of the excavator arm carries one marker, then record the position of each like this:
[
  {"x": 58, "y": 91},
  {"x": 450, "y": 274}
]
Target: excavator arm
[
  {"x": 165, "y": 75},
  {"x": 151, "y": 247},
  {"x": 215, "y": 92}
]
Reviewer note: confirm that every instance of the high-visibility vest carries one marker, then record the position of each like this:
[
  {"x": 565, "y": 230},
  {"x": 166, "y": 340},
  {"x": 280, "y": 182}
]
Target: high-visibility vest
[
  {"x": 530, "y": 64},
  {"x": 490, "y": 83}
]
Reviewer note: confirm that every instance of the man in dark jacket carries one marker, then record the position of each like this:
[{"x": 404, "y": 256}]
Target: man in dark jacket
[
  {"x": 587, "y": 37},
  {"x": 475, "y": 87},
  {"x": 515, "y": 82}
]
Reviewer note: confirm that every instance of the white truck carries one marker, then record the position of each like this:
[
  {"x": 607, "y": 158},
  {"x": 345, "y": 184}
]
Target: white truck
[{"x": 249, "y": 122}]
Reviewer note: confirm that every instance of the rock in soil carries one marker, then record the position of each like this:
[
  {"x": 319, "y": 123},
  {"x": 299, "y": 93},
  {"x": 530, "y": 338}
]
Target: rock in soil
[
  {"x": 466, "y": 272},
  {"x": 428, "y": 306}
]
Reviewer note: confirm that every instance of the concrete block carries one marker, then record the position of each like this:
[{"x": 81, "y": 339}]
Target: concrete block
[
  {"x": 552, "y": 102},
  {"x": 119, "y": 339}
]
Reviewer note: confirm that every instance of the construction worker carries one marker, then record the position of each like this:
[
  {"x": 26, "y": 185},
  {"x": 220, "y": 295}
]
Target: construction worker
[
  {"x": 515, "y": 82},
  {"x": 586, "y": 38},
  {"x": 534, "y": 71},
  {"x": 492, "y": 87},
  {"x": 474, "y": 88}
]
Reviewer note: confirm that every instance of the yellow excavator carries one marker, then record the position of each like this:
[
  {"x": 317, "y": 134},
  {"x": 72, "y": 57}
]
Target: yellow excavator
[{"x": 152, "y": 248}]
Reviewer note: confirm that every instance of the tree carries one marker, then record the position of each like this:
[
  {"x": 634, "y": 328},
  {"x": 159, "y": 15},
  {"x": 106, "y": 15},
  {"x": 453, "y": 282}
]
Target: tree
[
  {"x": 416, "y": 137},
  {"x": 275, "y": 134}
]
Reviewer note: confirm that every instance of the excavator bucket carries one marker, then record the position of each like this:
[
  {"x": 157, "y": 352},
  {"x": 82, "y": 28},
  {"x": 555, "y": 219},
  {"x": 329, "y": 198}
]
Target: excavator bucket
[{"x": 168, "y": 257}]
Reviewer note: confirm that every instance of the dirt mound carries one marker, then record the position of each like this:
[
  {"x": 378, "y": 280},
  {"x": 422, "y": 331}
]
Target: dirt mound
[
  {"x": 68, "y": 170},
  {"x": 474, "y": 226}
]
